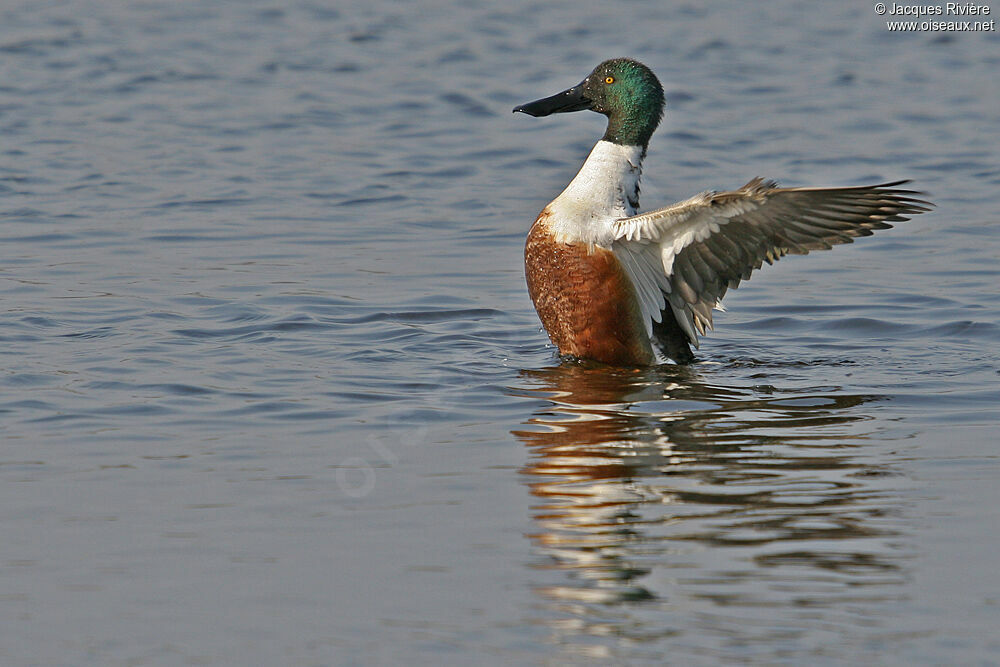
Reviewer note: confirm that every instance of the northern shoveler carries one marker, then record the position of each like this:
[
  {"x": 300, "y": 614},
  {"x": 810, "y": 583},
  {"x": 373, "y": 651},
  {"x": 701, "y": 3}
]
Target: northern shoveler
[{"x": 619, "y": 287}]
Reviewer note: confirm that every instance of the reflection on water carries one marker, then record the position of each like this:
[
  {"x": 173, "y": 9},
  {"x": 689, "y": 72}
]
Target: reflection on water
[{"x": 659, "y": 493}]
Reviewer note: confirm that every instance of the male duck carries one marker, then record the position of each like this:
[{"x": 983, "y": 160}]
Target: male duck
[{"x": 617, "y": 287}]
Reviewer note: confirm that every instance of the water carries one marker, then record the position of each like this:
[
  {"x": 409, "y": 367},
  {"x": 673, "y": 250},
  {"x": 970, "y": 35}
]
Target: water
[{"x": 273, "y": 391}]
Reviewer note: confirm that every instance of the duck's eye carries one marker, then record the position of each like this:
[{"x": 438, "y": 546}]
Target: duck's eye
[{"x": 609, "y": 79}]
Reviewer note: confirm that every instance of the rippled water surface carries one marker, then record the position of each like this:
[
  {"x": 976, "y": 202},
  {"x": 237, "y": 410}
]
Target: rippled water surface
[{"x": 273, "y": 391}]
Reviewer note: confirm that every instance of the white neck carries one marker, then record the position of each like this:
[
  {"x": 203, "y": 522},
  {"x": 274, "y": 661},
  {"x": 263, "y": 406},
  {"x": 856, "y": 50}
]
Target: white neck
[{"x": 606, "y": 188}]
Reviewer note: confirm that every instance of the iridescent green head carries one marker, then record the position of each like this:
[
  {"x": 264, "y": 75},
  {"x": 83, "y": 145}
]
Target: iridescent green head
[{"x": 624, "y": 90}]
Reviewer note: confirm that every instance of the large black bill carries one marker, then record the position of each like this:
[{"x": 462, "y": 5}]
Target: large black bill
[{"x": 564, "y": 102}]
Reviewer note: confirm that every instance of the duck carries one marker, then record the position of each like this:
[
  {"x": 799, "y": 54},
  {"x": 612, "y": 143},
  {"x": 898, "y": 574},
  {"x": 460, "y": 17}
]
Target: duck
[{"x": 624, "y": 288}]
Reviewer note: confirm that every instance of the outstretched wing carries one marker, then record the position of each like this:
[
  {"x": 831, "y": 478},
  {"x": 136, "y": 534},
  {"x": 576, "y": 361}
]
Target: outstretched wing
[{"x": 692, "y": 252}]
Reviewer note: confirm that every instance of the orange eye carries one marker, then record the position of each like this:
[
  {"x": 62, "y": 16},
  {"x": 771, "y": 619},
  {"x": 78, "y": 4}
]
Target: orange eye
[{"x": 609, "y": 79}]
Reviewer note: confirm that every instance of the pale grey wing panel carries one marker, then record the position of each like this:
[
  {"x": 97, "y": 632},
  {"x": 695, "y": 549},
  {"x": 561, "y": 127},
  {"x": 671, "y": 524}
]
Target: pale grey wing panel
[{"x": 641, "y": 260}]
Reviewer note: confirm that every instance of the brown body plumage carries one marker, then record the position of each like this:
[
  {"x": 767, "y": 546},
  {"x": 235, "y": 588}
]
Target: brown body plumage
[{"x": 584, "y": 299}]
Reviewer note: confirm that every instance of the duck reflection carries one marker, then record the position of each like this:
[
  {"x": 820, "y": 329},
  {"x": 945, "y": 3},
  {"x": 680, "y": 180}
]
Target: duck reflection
[{"x": 642, "y": 475}]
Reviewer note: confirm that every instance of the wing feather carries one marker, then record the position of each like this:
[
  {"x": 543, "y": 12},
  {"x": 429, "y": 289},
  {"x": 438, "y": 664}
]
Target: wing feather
[
  {"x": 686, "y": 256},
  {"x": 647, "y": 277}
]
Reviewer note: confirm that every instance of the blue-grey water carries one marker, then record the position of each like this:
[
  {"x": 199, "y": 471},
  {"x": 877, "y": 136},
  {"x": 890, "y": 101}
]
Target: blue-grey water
[{"x": 273, "y": 392}]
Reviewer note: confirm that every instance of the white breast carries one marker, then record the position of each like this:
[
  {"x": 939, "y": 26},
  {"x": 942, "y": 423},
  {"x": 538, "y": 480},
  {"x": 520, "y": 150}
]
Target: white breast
[{"x": 597, "y": 196}]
